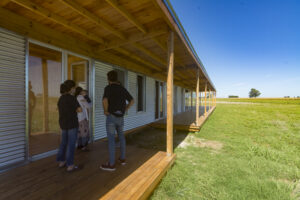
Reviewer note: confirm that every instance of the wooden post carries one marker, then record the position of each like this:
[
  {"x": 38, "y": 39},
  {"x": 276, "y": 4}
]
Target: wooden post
[
  {"x": 214, "y": 104},
  {"x": 170, "y": 94},
  {"x": 45, "y": 96},
  {"x": 197, "y": 99},
  {"x": 208, "y": 100},
  {"x": 205, "y": 98},
  {"x": 215, "y": 98},
  {"x": 200, "y": 103}
]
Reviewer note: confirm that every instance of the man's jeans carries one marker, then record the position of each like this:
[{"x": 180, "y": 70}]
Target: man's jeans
[
  {"x": 114, "y": 124},
  {"x": 67, "y": 145}
]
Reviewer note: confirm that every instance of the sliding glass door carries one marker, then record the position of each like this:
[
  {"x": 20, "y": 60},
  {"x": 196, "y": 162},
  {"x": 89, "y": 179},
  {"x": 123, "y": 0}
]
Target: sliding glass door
[{"x": 47, "y": 69}]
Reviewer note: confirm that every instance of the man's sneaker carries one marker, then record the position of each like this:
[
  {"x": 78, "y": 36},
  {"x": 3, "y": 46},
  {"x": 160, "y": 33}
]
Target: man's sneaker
[
  {"x": 108, "y": 167},
  {"x": 122, "y": 161}
]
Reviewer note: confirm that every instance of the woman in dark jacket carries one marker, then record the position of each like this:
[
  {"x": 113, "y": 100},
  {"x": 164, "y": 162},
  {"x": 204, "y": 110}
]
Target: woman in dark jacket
[{"x": 68, "y": 107}]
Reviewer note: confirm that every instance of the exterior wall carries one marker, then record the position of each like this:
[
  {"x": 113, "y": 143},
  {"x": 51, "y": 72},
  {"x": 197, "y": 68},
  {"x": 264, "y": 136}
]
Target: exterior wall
[
  {"x": 13, "y": 142},
  {"x": 135, "y": 119},
  {"x": 100, "y": 79},
  {"x": 12, "y": 99}
]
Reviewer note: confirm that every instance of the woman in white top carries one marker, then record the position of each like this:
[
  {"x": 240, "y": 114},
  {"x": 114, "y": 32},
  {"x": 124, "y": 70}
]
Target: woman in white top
[{"x": 83, "y": 119}]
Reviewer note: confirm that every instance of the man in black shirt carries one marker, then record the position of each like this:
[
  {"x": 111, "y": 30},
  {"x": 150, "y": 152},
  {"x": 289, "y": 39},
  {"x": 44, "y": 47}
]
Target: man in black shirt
[{"x": 114, "y": 106}]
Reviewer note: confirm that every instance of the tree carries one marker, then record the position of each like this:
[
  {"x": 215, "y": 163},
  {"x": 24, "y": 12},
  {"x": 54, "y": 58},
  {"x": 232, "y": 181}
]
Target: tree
[{"x": 254, "y": 93}]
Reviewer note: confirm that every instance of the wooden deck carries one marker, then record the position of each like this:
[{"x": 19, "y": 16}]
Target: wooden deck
[
  {"x": 136, "y": 180},
  {"x": 141, "y": 183},
  {"x": 186, "y": 121}
]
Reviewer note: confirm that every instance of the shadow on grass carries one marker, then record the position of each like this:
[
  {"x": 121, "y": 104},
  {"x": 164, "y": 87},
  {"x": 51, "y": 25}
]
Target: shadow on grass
[{"x": 152, "y": 138}]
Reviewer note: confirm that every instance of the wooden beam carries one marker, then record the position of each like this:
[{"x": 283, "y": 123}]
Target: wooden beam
[
  {"x": 178, "y": 61},
  {"x": 92, "y": 17},
  {"x": 132, "y": 55},
  {"x": 205, "y": 100},
  {"x": 127, "y": 15},
  {"x": 160, "y": 44},
  {"x": 57, "y": 19},
  {"x": 170, "y": 94},
  {"x": 197, "y": 99},
  {"x": 4, "y": 3},
  {"x": 149, "y": 53},
  {"x": 42, "y": 33},
  {"x": 183, "y": 68},
  {"x": 153, "y": 32}
]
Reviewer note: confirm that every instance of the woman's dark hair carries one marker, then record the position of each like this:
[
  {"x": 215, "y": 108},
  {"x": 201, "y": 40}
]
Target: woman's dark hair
[
  {"x": 112, "y": 76},
  {"x": 64, "y": 88},
  {"x": 77, "y": 91},
  {"x": 70, "y": 83}
]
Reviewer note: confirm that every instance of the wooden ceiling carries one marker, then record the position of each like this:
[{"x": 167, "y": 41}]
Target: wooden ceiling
[{"x": 129, "y": 33}]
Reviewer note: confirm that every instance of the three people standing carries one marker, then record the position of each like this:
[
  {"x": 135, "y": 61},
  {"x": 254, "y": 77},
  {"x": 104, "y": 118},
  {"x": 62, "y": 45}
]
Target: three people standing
[{"x": 73, "y": 116}]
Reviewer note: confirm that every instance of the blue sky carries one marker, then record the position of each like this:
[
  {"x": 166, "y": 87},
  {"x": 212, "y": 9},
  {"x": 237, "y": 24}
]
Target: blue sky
[{"x": 246, "y": 44}]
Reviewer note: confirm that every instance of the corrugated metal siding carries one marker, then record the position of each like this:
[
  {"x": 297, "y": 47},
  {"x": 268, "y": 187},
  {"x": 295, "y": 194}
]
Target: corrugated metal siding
[
  {"x": 101, "y": 70},
  {"x": 12, "y": 99},
  {"x": 134, "y": 119}
]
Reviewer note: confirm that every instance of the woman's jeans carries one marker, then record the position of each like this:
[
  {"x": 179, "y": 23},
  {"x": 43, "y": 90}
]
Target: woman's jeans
[
  {"x": 114, "y": 124},
  {"x": 67, "y": 146}
]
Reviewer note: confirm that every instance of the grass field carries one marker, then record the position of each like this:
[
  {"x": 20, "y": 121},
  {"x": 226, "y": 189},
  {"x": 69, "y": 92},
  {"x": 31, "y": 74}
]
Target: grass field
[
  {"x": 244, "y": 151},
  {"x": 262, "y": 100}
]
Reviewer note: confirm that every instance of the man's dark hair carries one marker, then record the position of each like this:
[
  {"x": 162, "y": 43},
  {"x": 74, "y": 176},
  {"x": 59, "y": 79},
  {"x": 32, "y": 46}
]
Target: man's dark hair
[
  {"x": 64, "y": 88},
  {"x": 112, "y": 76},
  {"x": 70, "y": 83}
]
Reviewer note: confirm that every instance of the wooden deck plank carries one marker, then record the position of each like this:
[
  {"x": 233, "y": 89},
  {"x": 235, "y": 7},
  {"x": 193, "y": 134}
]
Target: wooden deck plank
[
  {"x": 43, "y": 180},
  {"x": 142, "y": 182},
  {"x": 153, "y": 181},
  {"x": 120, "y": 188}
]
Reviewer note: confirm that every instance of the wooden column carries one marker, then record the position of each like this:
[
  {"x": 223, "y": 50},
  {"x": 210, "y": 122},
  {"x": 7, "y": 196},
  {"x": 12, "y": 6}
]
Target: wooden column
[
  {"x": 45, "y": 96},
  {"x": 200, "y": 103},
  {"x": 208, "y": 100},
  {"x": 205, "y": 98},
  {"x": 197, "y": 99},
  {"x": 215, "y": 98},
  {"x": 170, "y": 94}
]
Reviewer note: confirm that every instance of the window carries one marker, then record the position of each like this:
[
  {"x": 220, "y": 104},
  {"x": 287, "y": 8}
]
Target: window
[
  {"x": 140, "y": 93},
  {"x": 44, "y": 79},
  {"x": 78, "y": 71}
]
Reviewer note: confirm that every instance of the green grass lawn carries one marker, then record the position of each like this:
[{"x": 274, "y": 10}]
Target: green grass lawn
[
  {"x": 263, "y": 100},
  {"x": 244, "y": 151}
]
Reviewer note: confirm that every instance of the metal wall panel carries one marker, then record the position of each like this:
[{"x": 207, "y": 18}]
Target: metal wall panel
[
  {"x": 12, "y": 99},
  {"x": 101, "y": 70},
  {"x": 135, "y": 119}
]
